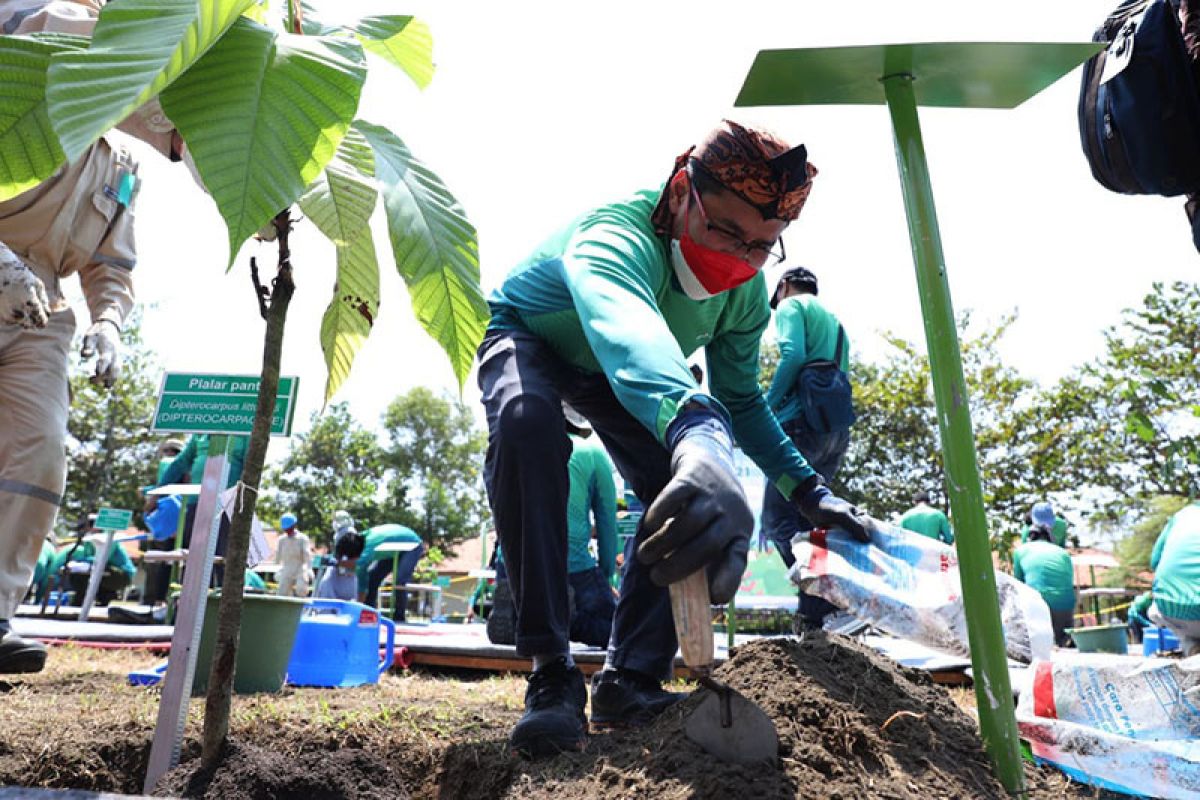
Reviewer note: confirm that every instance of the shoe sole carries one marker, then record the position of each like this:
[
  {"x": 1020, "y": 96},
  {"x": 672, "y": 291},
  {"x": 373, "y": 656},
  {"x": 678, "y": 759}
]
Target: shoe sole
[{"x": 32, "y": 660}]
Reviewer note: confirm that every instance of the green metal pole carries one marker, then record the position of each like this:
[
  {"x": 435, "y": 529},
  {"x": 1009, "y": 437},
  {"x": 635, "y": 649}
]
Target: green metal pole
[{"x": 993, "y": 692}]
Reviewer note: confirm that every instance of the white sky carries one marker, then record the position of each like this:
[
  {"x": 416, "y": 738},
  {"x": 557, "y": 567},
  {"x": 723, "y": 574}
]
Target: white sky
[{"x": 539, "y": 111}]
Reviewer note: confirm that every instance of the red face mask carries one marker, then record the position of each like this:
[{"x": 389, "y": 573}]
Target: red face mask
[{"x": 704, "y": 272}]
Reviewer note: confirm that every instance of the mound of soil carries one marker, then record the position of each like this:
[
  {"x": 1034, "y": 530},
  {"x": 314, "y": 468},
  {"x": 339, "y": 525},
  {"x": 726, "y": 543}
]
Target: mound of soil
[{"x": 852, "y": 724}]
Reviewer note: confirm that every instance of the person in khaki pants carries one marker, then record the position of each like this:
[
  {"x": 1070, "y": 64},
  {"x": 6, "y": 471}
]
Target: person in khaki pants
[{"x": 79, "y": 221}]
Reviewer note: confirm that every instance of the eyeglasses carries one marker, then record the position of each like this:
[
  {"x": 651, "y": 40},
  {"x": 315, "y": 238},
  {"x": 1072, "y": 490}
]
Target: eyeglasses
[{"x": 730, "y": 242}]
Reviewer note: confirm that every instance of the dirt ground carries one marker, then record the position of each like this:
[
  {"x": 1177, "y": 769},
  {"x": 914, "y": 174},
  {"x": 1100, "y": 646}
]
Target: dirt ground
[{"x": 425, "y": 735}]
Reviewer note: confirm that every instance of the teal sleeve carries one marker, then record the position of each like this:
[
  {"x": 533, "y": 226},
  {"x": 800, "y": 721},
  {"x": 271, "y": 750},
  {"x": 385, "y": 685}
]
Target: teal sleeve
[
  {"x": 607, "y": 272},
  {"x": 789, "y": 324},
  {"x": 733, "y": 375},
  {"x": 947, "y": 531},
  {"x": 181, "y": 465},
  {"x": 1156, "y": 553},
  {"x": 604, "y": 509},
  {"x": 1018, "y": 572},
  {"x": 120, "y": 559}
]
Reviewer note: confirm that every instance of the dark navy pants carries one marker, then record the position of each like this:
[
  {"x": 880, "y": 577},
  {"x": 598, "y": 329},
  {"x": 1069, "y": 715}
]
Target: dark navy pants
[
  {"x": 781, "y": 520},
  {"x": 523, "y": 383}
]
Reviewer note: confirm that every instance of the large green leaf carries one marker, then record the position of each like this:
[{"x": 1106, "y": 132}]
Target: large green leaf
[
  {"x": 404, "y": 41},
  {"x": 351, "y": 313},
  {"x": 340, "y": 201},
  {"x": 29, "y": 150},
  {"x": 262, "y": 114},
  {"x": 435, "y": 248},
  {"x": 138, "y": 48}
]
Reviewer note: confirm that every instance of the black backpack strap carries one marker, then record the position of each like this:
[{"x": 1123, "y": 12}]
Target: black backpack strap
[{"x": 837, "y": 351}]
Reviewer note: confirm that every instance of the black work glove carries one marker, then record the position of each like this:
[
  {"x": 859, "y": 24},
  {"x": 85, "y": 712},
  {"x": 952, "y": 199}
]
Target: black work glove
[
  {"x": 824, "y": 509},
  {"x": 701, "y": 518}
]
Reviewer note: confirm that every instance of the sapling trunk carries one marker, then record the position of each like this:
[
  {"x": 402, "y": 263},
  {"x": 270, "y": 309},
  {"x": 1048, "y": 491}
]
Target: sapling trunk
[{"x": 229, "y": 618}]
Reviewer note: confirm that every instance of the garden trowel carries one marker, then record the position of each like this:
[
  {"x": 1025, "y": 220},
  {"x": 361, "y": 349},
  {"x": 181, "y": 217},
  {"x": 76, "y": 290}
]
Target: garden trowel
[{"x": 725, "y": 723}]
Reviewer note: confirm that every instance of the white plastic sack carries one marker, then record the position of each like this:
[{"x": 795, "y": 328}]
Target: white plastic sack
[
  {"x": 1167, "y": 769},
  {"x": 1140, "y": 698},
  {"x": 909, "y": 585}
]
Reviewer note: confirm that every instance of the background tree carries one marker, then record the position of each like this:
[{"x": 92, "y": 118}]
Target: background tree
[
  {"x": 337, "y": 464},
  {"x": 1129, "y": 423},
  {"x": 110, "y": 449},
  {"x": 435, "y": 462}
]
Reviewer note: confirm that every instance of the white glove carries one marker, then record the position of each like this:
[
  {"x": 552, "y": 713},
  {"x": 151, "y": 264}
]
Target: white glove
[
  {"x": 103, "y": 340},
  {"x": 23, "y": 298}
]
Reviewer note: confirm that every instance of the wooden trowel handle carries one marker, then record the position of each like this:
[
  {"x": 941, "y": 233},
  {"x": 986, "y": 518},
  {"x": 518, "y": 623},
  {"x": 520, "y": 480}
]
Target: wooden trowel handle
[{"x": 693, "y": 621}]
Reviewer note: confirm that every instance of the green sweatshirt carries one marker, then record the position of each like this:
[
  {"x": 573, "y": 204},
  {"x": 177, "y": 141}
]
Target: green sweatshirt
[
  {"x": 1176, "y": 564},
  {"x": 375, "y": 537},
  {"x": 1047, "y": 568},
  {"x": 1058, "y": 533},
  {"x": 188, "y": 466},
  {"x": 593, "y": 494},
  {"x": 604, "y": 297},
  {"x": 928, "y": 521},
  {"x": 806, "y": 332}
]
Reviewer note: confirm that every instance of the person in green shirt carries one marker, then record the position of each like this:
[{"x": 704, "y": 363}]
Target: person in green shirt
[
  {"x": 591, "y": 505},
  {"x": 1046, "y": 567},
  {"x": 372, "y": 566},
  {"x": 604, "y": 315},
  {"x": 1175, "y": 561},
  {"x": 188, "y": 467},
  {"x": 926, "y": 520},
  {"x": 806, "y": 332},
  {"x": 77, "y": 558}
]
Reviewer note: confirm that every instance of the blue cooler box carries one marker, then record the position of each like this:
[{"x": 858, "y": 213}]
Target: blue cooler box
[
  {"x": 337, "y": 644},
  {"x": 1158, "y": 640}
]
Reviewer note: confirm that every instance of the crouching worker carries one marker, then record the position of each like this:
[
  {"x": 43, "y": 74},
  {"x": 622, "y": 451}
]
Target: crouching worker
[
  {"x": 604, "y": 316},
  {"x": 1175, "y": 560},
  {"x": 340, "y": 581},
  {"x": 73, "y": 564},
  {"x": 373, "y": 565}
]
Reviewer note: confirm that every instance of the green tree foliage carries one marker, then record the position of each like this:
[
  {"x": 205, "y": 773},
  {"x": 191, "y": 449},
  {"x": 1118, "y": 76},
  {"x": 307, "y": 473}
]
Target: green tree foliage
[
  {"x": 110, "y": 449},
  {"x": 1130, "y": 424},
  {"x": 435, "y": 462},
  {"x": 335, "y": 465}
]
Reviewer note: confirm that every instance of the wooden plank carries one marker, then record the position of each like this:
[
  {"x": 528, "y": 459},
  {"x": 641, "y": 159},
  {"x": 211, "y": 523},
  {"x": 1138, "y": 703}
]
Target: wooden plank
[{"x": 505, "y": 663}]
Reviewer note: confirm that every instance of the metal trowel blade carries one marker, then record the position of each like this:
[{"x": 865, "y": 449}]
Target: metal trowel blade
[{"x": 732, "y": 728}]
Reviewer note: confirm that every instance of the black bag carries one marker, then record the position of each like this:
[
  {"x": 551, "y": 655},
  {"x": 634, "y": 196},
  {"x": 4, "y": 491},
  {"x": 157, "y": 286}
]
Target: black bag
[
  {"x": 1139, "y": 108},
  {"x": 826, "y": 401}
]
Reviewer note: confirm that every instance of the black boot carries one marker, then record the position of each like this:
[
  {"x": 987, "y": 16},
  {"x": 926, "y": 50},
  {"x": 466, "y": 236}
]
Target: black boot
[
  {"x": 19, "y": 655},
  {"x": 554, "y": 721},
  {"x": 624, "y": 698}
]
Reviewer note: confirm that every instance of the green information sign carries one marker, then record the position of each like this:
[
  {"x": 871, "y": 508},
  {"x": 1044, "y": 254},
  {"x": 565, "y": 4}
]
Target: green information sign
[
  {"x": 220, "y": 404},
  {"x": 113, "y": 519}
]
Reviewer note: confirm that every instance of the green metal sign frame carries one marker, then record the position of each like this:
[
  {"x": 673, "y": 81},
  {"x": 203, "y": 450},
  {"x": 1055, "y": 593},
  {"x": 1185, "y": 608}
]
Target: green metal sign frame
[
  {"x": 220, "y": 404},
  {"x": 903, "y": 76}
]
